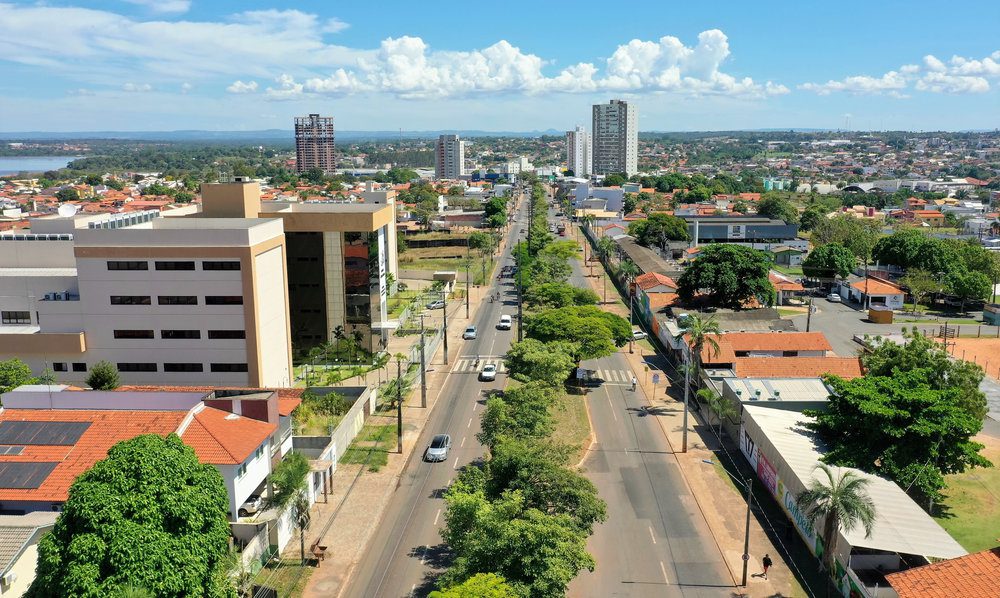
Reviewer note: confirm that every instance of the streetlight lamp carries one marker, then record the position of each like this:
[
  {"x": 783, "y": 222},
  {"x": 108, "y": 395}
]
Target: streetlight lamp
[
  {"x": 399, "y": 402},
  {"x": 423, "y": 365},
  {"x": 687, "y": 390},
  {"x": 748, "y": 484}
]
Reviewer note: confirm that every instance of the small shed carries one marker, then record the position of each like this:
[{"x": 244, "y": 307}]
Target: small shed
[{"x": 880, "y": 314}]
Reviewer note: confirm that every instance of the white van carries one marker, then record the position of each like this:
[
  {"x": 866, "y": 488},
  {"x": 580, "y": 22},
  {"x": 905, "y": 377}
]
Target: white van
[{"x": 505, "y": 323}]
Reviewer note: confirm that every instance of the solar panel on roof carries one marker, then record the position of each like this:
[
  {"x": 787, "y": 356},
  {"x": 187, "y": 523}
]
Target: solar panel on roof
[
  {"x": 41, "y": 433},
  {"x": 24, "y": 475}
]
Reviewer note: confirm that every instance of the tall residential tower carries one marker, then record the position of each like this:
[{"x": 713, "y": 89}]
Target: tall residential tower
[
  {"x": 450, "y": 160},
  {"x": 578, "y": 152},
  {"x": 616, "y": 138},
  {"x": 314, "y": 143}
]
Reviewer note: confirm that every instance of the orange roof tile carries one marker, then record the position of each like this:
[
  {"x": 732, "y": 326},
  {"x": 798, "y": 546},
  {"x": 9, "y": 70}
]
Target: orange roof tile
[
  {"x": 783, "y": 283},
  {"x": 219, "y": 437},
  {"x": 797, "y": 367},
  {"x": 974, "y": 575},
  {"x": 653, "y": 279},
  {"x": 877, "y": 286},
  {"x": 732, "y": 342}
]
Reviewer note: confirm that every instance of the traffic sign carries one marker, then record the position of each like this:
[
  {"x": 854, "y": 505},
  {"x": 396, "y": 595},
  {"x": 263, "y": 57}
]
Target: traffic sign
[{"x": 656, "y": 378}]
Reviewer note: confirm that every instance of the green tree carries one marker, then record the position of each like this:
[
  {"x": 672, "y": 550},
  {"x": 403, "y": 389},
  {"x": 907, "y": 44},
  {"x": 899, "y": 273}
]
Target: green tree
[
  {"x": 288, "y": 479},
  {"x": 811, "y": 217},
  {"x": 615, "y": 180},
  {"x": 68, "y": 194},
  {"x": 717, "y": 404},
  {"x": 93, "y": 180},
  {"x": 103, "y": 376},
  {"x": 700, "y": 332},
  {"x": 919, "y": 282},
  {"x": 532, "y": 359},
  {"x": 595, "y": 332},
  {"x": 728, "y": 275},
  {"x": 658, "y": 229},
  {"x": 14, "y": 373},
  {"x": 775, "y": 207},
  {"x": 314, "y": 175},
  {"x": 829, "y": 261},
  {"x": 857, "y": 234},
  {"x": 480, "y": 585},
  {"x": 302, "y": 518},
  {"x": 149, "y": 515},
  {"x": 558, "y": 294},
  {"x": 521, "y": 412},
  {"x": 842, "y": 502},
  {"x": 969, "y": 285},
  {"x": 184, "y": 197}
]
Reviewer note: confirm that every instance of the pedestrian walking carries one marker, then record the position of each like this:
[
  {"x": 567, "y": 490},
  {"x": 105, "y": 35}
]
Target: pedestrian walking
[
  {"x": 634, "y": 383},
  {"x": 767, "y": 564}
]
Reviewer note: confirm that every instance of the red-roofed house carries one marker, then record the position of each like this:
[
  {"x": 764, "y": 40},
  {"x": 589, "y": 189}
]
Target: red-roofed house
[
  {"x": 785, "y": 286},
  {"x": 797, "y": 367},
  {"x": 877, "y": 291},
  {"x": 974, "y": 575},
  {"x": 654, "y": 292},
  {"x": 733, "y": 345}
]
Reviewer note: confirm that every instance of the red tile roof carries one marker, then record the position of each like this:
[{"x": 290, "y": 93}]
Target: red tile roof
[
  {"x": 878, "y": 286},
  {"x": 223, "y": 438},
  {"x": 974, "y": 575},
  {"x": 654, "y": 279},
  {"x": 783, "y": 283},
  {"x": 797, "y": 367},
  {"x": 732, "y": 342}
]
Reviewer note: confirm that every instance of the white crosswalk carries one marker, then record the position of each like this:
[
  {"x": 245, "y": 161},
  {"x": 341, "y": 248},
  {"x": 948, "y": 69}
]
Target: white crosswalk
[
  {"x": 469, "y": 365},
  {"x": 619, "y": 376}
]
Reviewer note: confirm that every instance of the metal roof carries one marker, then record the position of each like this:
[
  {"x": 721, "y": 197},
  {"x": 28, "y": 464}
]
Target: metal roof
[
  {"x": 778, "y": 389},
  {"x": 900, "y": 525}
]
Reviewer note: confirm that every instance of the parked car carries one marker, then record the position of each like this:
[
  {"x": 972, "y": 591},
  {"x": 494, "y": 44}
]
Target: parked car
[
  {"x": 470, "y": 333},
  {"x": 435, "y": 304},
  {"x": 638, "y": 335},
  {"x": 488, "y": 373},
  {"x": 253, "y": 504},
  {"x": 437, "y": 450},
  {"x": 834, "y": 298},
  {"x": 505, "y": 323}
]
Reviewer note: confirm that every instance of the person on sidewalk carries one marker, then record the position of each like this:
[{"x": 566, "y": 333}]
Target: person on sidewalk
[
  {"x": 634, "y": 383},
  {"x": 767, "y": 564}
]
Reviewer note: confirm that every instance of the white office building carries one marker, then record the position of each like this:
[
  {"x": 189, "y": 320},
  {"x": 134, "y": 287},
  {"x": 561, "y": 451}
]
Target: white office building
[
  {"x": 450, "y": 158},
  {"x": 578, "y": 152},
  {"x": 616, "y": 138}
]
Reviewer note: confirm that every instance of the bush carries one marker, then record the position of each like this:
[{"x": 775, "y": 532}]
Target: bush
[{"x": 103, "y": 376}]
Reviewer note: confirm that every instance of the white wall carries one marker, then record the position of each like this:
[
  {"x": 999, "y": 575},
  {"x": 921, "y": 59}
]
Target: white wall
[
  {"x": 272, "y": 319},
  {"x": 239, "y": 488}
]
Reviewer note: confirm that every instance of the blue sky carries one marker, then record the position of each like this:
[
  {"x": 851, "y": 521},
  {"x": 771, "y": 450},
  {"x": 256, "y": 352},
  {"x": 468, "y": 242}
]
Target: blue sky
[{"x": 200, "y": 64}]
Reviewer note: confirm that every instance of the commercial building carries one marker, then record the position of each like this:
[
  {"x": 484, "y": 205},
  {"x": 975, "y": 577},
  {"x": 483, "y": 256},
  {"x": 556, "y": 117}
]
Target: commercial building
[
  {"x": 314, "y": 143},
  {"x": 339, "y": 255},
  {"x": 759, "y": 232},
  {"x": 578, "y": 157},
  {"x": 449, "y": 160},
  {"x": 167, "y": 300},
  {"x": 616, "y": 138}
]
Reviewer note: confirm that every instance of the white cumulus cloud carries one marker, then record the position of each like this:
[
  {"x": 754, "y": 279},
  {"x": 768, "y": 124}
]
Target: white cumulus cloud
[
  {"x": 959, "y": 75},
  {"x": 241, "y": 87},
  {"x": 860, "y": 84},
  {"x": 137, "y": 87},
  {"x": 164, "y": 6},
  {"x": 287, "y": 89}
]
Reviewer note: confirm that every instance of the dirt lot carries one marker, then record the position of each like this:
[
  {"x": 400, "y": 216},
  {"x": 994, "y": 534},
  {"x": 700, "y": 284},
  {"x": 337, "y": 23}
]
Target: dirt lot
[{"x": 984, "y": 351}]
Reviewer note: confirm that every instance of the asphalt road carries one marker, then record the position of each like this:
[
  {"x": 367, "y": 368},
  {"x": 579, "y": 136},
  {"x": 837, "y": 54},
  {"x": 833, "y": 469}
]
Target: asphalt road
[{"x": 406, "y": 551}]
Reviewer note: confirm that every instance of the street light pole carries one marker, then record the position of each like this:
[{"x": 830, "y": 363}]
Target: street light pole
[
  {"x": 444, "y": 330},
  {"x": 520, "y": 334},
  {"x": 631, "y": 319},
  {"x": 748, "y": 484},
  {"x": 423, "y": 365},
  {"x": 687, "y": 390},
  {"x": 399, "y": 403},
  {"x": 468, "y": 285}
]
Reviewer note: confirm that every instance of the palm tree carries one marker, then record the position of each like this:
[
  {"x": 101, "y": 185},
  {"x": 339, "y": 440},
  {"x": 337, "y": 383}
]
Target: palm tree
[
  {"x": 628, "y": 270},
  {"x": 842, "y": 501},
  {"x": 338, "y": 335},
  {"x": 722, "y": 408},
  {"x": 302, "y": 518},
  {"x": 700, "y": 332}
]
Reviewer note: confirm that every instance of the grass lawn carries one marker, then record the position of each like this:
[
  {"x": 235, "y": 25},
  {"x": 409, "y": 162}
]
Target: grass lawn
[
  {"x": 790, "y": 312},
  {"x": 287, "y": 577},
  {"x": 789, "y": 270},
  {"x": 372, "y": 446},
  {"x": 951, "y": 322},
  {"x": 972, "y": 508},
  {"x": 572, "y": 426}
]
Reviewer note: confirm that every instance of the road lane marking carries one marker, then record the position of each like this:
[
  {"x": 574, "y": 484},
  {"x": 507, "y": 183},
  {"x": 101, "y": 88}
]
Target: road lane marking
[
  {"x": 456, "y": 463},
  {"x": 448, "y": 485},
  {"x": 463, "y": 442},
  {"x": 423, "y": 554},
  {"x": 664, "y": 570},
  {"x": 651, "y": 536},
  {"x": 612, "y": 407},
  {"x": 469, "y": 425},
  {"x": 436, "y": 517},
  {"x": 474, "y": 405}
]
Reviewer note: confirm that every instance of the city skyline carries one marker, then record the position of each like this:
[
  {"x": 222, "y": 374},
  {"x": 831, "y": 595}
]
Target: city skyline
[{"x": 141, "y": 65}]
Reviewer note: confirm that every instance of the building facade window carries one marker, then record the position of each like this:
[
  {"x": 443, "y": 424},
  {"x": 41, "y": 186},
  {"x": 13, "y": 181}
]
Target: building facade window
[
  {"x": 227, "y": 265},
  {"x": 229, "y": 367},
  {"x": 128, "y": 265},
  {"x": 59, "y": 366},
  {"x": 226, "y": 334},
  {"x": 130, "y": 300},
  {"x": 175, "y": 265},
  {"x": 223, "y": 300},
  {"x": 79, "y": 367},
  {"x": 133, "y": 334},
  {"x": 15, "y": 317},
  {"x": 177, "y": 300},
  {"x": 180, "y": 334},
  {"x": 183, "y": 367},
  {"x": 136, "y": 367}
]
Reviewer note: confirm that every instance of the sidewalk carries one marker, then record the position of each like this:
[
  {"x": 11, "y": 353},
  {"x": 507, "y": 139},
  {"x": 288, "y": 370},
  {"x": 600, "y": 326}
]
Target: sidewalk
[
  {"x": 721, "y": 502},
  {"x": 359, "y": 497}
]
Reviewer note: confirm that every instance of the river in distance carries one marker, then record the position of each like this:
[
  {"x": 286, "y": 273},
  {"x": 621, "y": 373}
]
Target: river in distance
[{"x": 16, "y": 164}]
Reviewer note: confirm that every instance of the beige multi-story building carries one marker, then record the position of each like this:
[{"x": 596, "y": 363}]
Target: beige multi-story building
[
  {"x": 578, "y": 152},
  {"x": 450, "y": 158},
  {"x": 615, "y": 138},
  {"x": 167, "y": 300},
  {"x": 314, "y": 143}
]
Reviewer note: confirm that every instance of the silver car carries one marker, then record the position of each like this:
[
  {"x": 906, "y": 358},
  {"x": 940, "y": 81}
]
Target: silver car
[
  {"x": 488, "y": 373},
  {"x": 437, "y": 450},
  {"x": 470, "y": 333}
]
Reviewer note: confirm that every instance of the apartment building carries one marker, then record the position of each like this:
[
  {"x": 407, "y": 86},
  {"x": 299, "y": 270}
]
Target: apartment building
[
  {"x": 167, "y": 300},
  {"x": 339, "y": 255},
  {"x": 314, "y": 143},
  {"x": 615, "y": 138},
  {"x": 578, "y": 152},
  {"x": 449, "y": 157}
]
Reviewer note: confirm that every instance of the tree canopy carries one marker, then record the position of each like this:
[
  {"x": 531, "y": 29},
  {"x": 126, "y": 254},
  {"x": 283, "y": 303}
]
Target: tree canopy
[
  {"x": 14, "y": 373},
  {"x": 778, "y": 208},
  {"x": 480, "y": 585},
  {"x": 657, "y": 229},
  {"x": 595, "y": 332},
  {"x": 532, "y": 359},
  {"x": 148, "y": 516},
  {"x": 829, "y": 261},
  {"x": 856, "y": 234},
  {"x": 103, "y": 376},
  {"x": 559, "y": 294},
  {"x": 727, "y": 275}
]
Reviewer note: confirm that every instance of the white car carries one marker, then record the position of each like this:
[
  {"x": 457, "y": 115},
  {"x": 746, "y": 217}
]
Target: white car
[
  {"x": 488, "y": 373},
  {"x": 638, "y": 335},
  {"x": 505, "y": 323},
  {"x": 834, "y": 298},
  {"x": 470, "y": 333}
]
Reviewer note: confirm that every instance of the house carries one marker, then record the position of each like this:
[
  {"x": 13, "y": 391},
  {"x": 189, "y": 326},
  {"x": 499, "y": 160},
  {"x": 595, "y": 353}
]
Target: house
[
  {"x": 653, "y": 292},
  {"x": 785, "y": 287},
  {"x": 733, "y": 345},
  {"x": 19, "y": 536},
  {"x": 924, "y": 217},
  {"x": 873, "y": 291},
  {"x": 974, "y": 575},
  {"x": 797, "y": 367},
  {"x": 787, "y": 256}
]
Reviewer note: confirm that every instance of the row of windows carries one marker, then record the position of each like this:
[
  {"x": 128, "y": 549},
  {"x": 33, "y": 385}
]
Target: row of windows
[
  {"x": 176, "y": 300},
  {"x": 61, "y": 367},
  {"x": 15, "y": 317},
  {"x": 180, "y": 334},
  {"x": 186, "y": 265},
  {"x": 181, "y": 367}
]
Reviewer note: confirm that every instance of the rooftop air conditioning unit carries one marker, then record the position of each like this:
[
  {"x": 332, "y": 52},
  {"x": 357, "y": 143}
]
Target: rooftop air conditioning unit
[{"x": 756, "y": 396}]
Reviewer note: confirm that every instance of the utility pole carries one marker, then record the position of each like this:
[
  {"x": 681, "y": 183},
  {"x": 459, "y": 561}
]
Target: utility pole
[
  {"x": 423, "y": 366},
  {"x": 468, "y": 285},
  {"x": 746, "y": 531},
  {"x": 399, "y": 403},
  {"x": 687, "y": 390},
  {"x": 444, "y": 329},
  {"x": 809, "y": 314},
  {"x": 630, "y": 319},
  {"x": 520, "y": 334}
]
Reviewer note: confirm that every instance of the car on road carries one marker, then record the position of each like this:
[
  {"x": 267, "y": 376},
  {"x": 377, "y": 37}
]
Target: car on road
[
  {"x": 470, "y": 333},
  {"x": 437, "y": 450},
  {"x": 834, "y": 298},
  {"x": 638, "y": 335},
  {"x": 505, "y": 323},
  {"x": 253, "y": 504},
  {"x": 488, "y": 373},
  {"x": 435, "y": 304}
]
